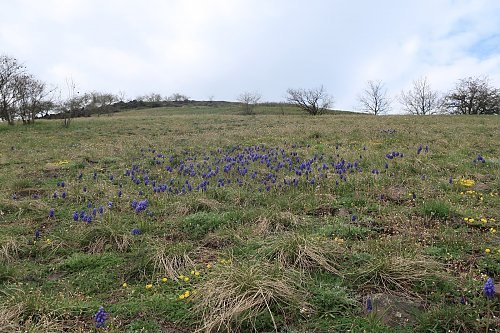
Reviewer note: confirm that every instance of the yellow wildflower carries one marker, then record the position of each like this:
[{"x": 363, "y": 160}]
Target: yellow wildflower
[
  {"x": 466, "y": 219},
  {"x": 197, "y": 273},
  {"x": 181, "y": 296},
  {"x": 186, "y": 279},
  {"x": 149, "y": 286},
  {"x": 164, "y": 280},
  {"x": 209, "y": 266},
  {"x": 484, "y": 220},
  {"x": 467, "y": 182},
  {"x": 124, "y": 285},
  {"x": 487, "y": 250},
  {"x": 493, "y": 230}
]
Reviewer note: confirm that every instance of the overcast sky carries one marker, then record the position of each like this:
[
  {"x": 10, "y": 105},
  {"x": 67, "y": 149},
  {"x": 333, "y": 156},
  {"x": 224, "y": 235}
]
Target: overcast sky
[{"x": 220, "y": 48}]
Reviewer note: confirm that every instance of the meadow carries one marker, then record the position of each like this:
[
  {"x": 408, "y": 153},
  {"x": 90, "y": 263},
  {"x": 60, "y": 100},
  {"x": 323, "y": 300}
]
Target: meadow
[{"x": 204, "y": 219}]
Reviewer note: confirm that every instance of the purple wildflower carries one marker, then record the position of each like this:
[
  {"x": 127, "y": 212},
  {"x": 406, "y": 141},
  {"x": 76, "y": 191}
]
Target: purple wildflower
[
  {"x": 369, "y": 305},
  {"x": 100, "y": 318},
  {"x": 489, "y": 288}
]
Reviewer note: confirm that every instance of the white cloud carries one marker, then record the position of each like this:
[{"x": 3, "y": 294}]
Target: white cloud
[{"x": 222, "y": 47}]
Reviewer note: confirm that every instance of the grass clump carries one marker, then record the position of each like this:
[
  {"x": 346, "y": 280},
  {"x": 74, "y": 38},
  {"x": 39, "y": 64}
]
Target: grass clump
[
  {"x": 102, "y": 237},
  {"x": 305, "y": 253},
  {"x": 199, "y": 224},
  {"x": 437, "y": 209},
  {"x": 394, "y": 274},
  {"x": 244, "y": 295},
  {"x": 171, "y": 259}
]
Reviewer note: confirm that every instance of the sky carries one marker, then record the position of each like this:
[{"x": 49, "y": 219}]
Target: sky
[{"x": 218, "y": 49}]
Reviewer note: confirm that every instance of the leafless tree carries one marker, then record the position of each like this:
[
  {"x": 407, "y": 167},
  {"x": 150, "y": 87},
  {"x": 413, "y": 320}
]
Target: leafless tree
[
  {"x": 99, "y": 102},
  {"x": 313, "y": 101},
  {"x": 151, "y": 98},
  {"x": 121, "y": 96},
  {"x": 178, "y": 97},
  {"x": 421, "y": 99},
  {"x": 10, "y": 72},
  {"x": 473, "y": 95},
  {"x": 374, "y": 98},
  {"x": 73, "y": 104},
  {"x": 32, "y": 98},
  {"x": 248, "y": 101}
]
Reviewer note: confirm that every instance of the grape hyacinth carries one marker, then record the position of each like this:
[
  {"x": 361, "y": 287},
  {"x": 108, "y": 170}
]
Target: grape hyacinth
[
  {"x": 369, "y": 305},
  {"x": 479, "y": 158},
  {"x": 51, "y": 213},
  {"x": 100, "y": 318},
  {"x": 136, "y": 231},
  {"x": 489, "y": 288}
]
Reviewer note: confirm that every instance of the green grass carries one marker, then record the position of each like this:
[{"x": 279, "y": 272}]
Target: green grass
[{"x": 249, "y": 258}]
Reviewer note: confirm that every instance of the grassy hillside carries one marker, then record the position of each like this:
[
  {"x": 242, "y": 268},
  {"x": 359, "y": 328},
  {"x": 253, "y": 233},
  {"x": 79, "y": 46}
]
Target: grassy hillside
[{"x": 180, "y": 219}]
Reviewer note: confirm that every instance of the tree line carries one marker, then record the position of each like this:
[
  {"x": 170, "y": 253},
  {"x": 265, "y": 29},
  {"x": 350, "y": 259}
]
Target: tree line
[
  {"x": 470, "y": 96},
  {"x": 24, "y": 97}
]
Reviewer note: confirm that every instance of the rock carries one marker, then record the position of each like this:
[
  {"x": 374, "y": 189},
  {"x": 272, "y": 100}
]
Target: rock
[
  {"x": 395, "y": 311},
  {"x": 397, "y": 193}
]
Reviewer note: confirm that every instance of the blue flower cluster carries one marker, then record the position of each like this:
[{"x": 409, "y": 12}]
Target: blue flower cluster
[
  {"x": 258, "y": 167},
  {"x": 489, "y": 288},
  {"x": 479, "y": 159},
  {"x": 100, "y": 318},
  {"x": 139, "y": 206},
  {"x": 394, "y": 154},
  {"x": 88, "y": 217}
]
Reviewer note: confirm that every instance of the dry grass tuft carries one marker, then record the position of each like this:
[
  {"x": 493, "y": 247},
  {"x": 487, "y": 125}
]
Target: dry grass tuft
[
  {"x": 10, "y": 248},
  {"x": 304, "y": 253},
  {"x": 236, "y": 295},
  {"x": 104, "y": 237},
  {"x": 172, "y": 259},
  {"x": 279, "y": 222},
  {"x": 9, "y": 318},
  {"x": 395, "y": 275}
]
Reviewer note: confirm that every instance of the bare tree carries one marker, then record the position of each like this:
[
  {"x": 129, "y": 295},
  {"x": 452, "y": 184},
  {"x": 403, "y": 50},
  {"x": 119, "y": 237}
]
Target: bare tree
[
  {"x": 32, "y": 98},
  {"x": 178, "y": 97},
  {"x": 374, "y": 98},
  {"x": 74, "y": 103},
  {"x": 10, "y": 72},
  {"x": 473, "y": 95},
  {"x": 249, "y": 100},
  {"x": 313, "y": 101},
  {"x": 421, "y": 99},
  {"x": 98, "y": 102}
]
